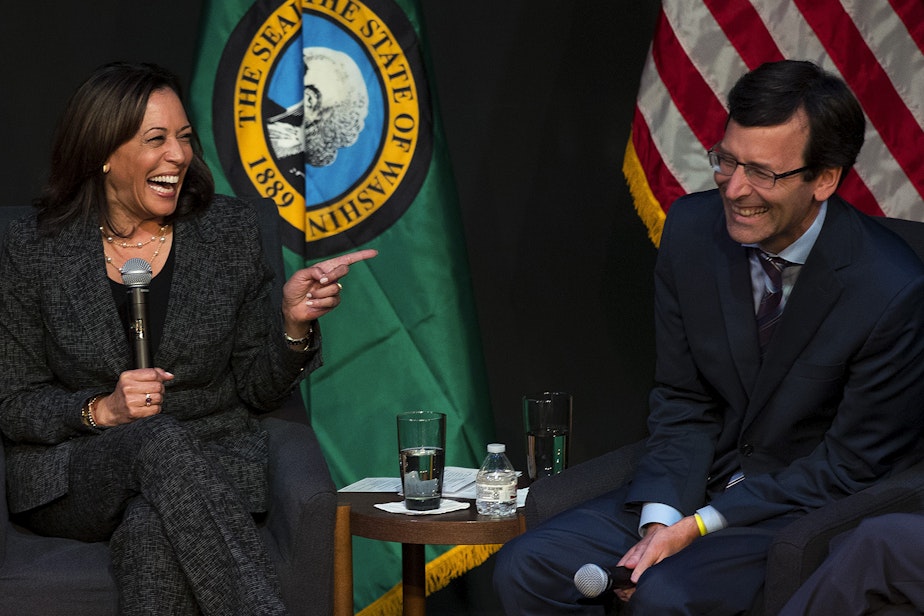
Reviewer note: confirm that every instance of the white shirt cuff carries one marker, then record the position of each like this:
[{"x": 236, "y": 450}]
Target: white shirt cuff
[
  {"x": 657, "y": 513},
  {"x": 712, "y": 519}
]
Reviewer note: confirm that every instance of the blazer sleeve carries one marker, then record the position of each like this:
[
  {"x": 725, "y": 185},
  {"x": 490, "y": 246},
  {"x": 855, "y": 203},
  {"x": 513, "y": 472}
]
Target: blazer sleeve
[
  {"x": 876, "y": 429},
  {"x": 265, "y": 369},
  {"x": 34, "y": 406},
  {"x": 685, "y": 417}
]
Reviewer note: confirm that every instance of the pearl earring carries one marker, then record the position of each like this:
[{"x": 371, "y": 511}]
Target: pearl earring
[{"x": 105, "y": 168}]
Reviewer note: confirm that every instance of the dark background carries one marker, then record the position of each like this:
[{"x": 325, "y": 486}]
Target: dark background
[{"x": 536, "y": 97}]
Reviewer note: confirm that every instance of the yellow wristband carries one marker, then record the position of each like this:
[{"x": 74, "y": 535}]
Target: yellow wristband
[{"x": 700, "y": 525}]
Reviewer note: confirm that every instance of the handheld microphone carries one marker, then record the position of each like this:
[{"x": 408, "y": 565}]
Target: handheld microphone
[
  {"x": 136, "y": 275},
  {"x": 593, "y": 580}
]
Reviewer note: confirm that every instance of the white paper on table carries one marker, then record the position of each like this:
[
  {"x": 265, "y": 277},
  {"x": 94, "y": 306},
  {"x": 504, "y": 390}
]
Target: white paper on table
[
  {"x": 458, "y": 482},
  {"x": 374, "y": 484},
  {"x": 446, "y": 506}
]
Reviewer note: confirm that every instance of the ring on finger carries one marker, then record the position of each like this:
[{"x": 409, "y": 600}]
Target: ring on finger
[
  {"x": 340, "y": 286},
  {"x": 147, "y": 399}
]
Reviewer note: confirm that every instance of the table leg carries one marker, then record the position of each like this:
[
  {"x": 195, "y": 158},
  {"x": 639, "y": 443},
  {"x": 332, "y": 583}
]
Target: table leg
[
  {"x": 414, "y": 578},
  {"x": 343, "y": 563}
]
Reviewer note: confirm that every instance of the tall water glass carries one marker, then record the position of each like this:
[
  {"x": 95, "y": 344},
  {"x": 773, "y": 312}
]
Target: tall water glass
[
  {"x": 547, "y": 419},
  {"x": 422, "y": 458}
]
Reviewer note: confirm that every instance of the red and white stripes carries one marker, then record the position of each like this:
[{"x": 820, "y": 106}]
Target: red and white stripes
[{"x": 701, "y": 48}]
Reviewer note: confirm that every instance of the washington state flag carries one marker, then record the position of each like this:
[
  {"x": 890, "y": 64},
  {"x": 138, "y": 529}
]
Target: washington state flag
[{"x": 326, "y": 107}]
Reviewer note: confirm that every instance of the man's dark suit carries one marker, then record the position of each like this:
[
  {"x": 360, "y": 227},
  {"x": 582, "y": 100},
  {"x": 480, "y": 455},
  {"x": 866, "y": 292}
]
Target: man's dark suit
[
  {"x": 836, "y": 403},
  {"x": 834, "y": 406},
  {"x": 61, "y": 342}
]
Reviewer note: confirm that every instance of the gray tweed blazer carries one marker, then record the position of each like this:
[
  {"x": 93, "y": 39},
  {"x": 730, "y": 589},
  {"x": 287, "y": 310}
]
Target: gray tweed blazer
[{"x": 61, "y": 342}]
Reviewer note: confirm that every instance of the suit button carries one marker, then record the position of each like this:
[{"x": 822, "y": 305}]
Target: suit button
[{"x": 747, "y": 449}]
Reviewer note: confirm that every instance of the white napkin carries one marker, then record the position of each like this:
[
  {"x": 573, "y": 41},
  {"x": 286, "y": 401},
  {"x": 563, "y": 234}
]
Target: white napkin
[{"x": 446, "y": 506}]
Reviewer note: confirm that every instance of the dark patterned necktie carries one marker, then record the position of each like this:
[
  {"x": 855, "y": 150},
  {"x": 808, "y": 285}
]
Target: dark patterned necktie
[{"x": 770, "y": 309}]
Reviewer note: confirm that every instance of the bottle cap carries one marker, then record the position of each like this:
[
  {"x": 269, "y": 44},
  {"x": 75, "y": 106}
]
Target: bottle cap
[{"x": 496, "y": 448}]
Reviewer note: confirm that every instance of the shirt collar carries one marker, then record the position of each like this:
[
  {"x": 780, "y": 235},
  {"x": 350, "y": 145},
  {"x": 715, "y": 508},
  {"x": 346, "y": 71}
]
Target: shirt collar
[{"x": 798, "y": 251}]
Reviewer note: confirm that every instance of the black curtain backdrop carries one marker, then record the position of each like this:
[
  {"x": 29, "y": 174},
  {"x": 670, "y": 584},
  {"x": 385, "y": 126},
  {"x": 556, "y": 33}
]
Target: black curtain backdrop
[{"x": 536, "y": 99}]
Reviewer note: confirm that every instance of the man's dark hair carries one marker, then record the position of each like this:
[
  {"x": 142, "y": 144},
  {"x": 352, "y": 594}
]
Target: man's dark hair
[
  {"x": 106, "y": 111},
  {"x": 770, "y": 95}
]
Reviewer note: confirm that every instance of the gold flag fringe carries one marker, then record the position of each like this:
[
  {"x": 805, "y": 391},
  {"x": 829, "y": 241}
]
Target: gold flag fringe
[
  {"x": 647, "y": 206},
  {"x": 440, "y": 571}
]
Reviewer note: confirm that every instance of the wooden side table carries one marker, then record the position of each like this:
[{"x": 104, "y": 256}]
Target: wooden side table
[{"x": 357, "y": 515}]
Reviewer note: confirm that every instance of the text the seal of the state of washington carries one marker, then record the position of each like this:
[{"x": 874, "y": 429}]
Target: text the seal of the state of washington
[{"x": 323, "y": 106}]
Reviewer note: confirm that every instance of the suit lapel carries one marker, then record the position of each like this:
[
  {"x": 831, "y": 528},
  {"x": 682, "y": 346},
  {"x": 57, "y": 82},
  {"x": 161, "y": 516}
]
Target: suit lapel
[
  {"x": 815, "y": 293},
  {"x": 191, "y": 240},
  {"x": 737, "y": 302},
  {"x": 80, "y": 264}
]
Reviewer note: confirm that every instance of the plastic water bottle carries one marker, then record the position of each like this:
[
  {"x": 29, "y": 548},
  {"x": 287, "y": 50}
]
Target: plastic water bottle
[{"x": 496, "y": 484}]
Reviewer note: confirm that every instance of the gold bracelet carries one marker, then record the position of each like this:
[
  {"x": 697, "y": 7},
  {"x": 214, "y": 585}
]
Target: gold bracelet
[
  {"x": 306, "y": 341},
  {"x": 700, "y": 524},
  {"x": 86, "y": 413}
]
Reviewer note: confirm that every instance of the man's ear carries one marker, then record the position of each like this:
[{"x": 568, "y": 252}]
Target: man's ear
[{"x": 826, "y": 182}]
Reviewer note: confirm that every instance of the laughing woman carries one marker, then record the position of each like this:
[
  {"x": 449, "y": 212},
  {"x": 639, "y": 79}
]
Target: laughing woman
[{"x": 166, "y": 462}]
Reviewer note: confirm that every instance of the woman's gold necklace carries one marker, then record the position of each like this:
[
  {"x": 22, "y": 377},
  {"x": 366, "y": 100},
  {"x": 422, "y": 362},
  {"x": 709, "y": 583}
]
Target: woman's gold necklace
[
  {"x": 123, "y": 244},
  {"x": 160, "y": 239}
]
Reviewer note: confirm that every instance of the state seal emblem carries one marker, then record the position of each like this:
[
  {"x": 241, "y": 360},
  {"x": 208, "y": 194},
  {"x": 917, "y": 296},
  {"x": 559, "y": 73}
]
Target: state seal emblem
[{"x": 323, "y": 106}]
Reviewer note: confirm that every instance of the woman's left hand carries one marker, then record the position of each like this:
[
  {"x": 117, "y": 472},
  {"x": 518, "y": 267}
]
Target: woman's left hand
[{"x": 314, "y": 291}]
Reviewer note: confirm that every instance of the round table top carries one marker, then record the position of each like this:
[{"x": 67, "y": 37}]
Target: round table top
[{"x": 464, "y": 527}]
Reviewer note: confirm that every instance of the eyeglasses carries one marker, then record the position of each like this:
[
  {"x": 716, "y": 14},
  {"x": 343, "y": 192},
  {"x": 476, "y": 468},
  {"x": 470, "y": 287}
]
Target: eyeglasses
[{"x": 723, "y": 164}]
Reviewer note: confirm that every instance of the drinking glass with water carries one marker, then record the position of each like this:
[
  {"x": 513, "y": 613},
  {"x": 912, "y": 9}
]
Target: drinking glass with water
[
  {"x": 547, "y": 419},
  {"x": 422, "y": 458}
]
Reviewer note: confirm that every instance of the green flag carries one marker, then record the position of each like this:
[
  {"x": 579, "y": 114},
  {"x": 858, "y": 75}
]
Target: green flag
[{"x": 325, "y": 106}]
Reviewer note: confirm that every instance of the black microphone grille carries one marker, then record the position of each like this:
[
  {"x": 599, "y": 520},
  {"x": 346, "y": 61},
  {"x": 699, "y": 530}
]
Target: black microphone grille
[
  {"x": 591, "y": 580},
  {"x": 136, "y": 273}
]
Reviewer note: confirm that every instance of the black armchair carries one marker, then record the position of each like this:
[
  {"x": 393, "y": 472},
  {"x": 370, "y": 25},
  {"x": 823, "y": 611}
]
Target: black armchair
[
  {"x": 51, "y": 576},
  {"x": 799, "y": 548}
]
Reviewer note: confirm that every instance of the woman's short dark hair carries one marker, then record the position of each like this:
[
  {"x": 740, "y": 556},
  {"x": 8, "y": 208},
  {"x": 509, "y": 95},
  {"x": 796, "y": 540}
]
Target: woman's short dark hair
[
  {"x": 106, "y": 111},
  {"x": 770, "y": 95}
]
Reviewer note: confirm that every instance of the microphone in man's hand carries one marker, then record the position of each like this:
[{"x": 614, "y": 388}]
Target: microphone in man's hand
[
  {"x": 136, "y": 275},
  {"x": 593, "y": 580}
]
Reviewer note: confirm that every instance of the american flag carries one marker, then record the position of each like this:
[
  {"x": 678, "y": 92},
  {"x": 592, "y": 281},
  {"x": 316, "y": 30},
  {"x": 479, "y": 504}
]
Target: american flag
[{"x": 701, "y": 48}]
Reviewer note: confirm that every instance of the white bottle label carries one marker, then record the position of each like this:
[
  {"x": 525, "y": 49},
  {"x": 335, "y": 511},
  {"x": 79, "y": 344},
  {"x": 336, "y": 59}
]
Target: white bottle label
[{"x": 495, "y": 493}]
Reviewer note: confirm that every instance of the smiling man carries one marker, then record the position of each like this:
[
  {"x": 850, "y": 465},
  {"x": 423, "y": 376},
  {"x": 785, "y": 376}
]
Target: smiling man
[{"x": 790, "y": 343}]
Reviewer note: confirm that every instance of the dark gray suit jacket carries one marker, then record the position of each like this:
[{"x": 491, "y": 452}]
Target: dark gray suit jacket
[
  {"x": 836, "y": 404},
  {"x": 61, "y": 342}
]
